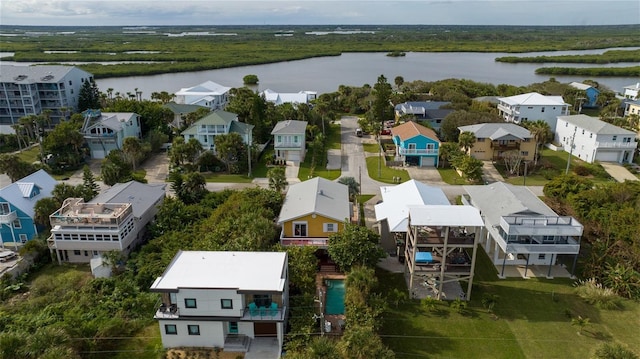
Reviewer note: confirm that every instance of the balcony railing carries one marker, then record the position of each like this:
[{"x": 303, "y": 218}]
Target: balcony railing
[
  {"x": 631, "y": 144},
  {"x": 505, "y": 146},
  {"x": 297, "y": 241},
  {"x": 418, "y": 151},
  {"x": 288, "y": 144},
  {"x": 8, "y": 218}
]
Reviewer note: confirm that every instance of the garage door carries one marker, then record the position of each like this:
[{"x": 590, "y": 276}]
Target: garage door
[
  {"x": 428, "y": 162},
  {"x": 97, "y": 154},
  {"x": 608, "y": 156},
  {"x": 293, "y": 156},
  {"x": 265, "y": 329}
]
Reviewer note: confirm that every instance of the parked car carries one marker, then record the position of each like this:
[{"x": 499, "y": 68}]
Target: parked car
[
  {"x": 386, "y": 131},
  {"x": 359, "y": 132}
]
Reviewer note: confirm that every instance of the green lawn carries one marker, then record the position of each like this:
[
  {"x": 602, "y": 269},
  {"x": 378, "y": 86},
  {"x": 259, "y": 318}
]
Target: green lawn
[
  {"x": 371, "y": 147},
  {"x": 305, "y": 172},
  {"x": 30, "y": 155},
  {"x": 223, "y": 177},
  {"x": 365, "y": 197},
  {"x": 146, "y": 345},
  {"x": 334, "y": 140},
  {"x": 450, "y": 176},
  {"x": 531, "y": 321},
  {"x": 386, "y": 173}
]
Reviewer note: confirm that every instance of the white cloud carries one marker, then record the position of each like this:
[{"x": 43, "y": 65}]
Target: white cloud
[{"x": 247, "y": 12}]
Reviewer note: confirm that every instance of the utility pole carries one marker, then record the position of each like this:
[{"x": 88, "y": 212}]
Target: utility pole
[
  {"x": 249, "y": 151},
  {"x": 525, "y": 173},
  {"x": 573, "y": 138}
]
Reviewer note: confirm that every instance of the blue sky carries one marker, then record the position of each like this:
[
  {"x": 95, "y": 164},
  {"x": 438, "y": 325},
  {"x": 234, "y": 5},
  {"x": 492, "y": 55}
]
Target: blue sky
[{"x": 318, "y": 12}]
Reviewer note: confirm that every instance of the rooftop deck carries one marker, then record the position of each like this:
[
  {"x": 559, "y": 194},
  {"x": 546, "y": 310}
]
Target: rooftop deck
[{"x": 76, "y": 212}]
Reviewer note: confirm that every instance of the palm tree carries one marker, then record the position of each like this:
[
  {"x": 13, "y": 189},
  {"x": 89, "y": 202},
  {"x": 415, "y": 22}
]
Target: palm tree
[
  {"x": 541, "y": 133},
  {"x": 466, "y": 140},
  {"x": 354, "y": 186},
  {"x": 277, "y": 178},
  {"x": 580, "y": 322}
]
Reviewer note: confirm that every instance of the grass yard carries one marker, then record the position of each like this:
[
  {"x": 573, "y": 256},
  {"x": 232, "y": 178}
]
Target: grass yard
[
  {"x": 364, "y": 197},
  {"x": 531, "y": 321},
  {"x": 386, "y": 174},
  {"x": 371, "y": 147},
  {"x": 146, "y": 345},
  {"x": 223, "y": 177},
  {"x": 334, "y": 140},
  {"x": 450, "y": 176},
  {"x": 305, "y": 172}
]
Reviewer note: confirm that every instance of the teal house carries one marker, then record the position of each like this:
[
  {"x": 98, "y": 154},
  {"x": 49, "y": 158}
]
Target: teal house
[
  {"x": 17, "y": 203},
  {"x": 217, "y": 123},
  {"x": 416, "y": 145}
]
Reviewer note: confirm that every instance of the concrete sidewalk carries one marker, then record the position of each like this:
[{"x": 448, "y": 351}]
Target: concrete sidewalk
[{"x": 618, "y": 172}]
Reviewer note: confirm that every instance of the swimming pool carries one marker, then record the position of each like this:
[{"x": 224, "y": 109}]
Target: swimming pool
[{"x": 335, "y": 297}]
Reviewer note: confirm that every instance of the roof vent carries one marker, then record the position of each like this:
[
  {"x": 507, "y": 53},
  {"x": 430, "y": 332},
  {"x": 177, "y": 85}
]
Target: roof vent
[{"x": 20, "y": 77}]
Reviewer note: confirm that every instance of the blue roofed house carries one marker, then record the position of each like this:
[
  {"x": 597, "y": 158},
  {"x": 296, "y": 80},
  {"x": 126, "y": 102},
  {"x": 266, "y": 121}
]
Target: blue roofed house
[
  {"x": 590, "y": 92},
  {"x": 17, "y": 202},
  {"x": 217, "y": 123},
  {"x": 416, "y": 144},
  {"x": 423, "y": 111},
  {"x": 106, "y": 131}
]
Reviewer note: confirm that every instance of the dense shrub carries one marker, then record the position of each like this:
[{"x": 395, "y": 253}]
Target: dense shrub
[{"x": 596, "y": 294}]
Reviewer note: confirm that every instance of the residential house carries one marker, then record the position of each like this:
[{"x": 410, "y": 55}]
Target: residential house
[
  {"x": 416, "y": 144},
  {"x": 30, "y": 90},
  {"x": 279, "y": 98},
  {"x": 208, "y": 94},
  {"x": 289, "y": 140},
  {"x": 312, "y": 211},
  {"x": 591, "y": 94},
  {"x": 223, "y": 299},
  {"x": 106, "y": 131},
  {"x": 180, "y": 111},
  {"x": 423, "y": 111},
  {"x": 17, "y": 208},
  {"x": 591, "y": 139},
  {"x": 115, "y": 220},
  {"x": 521, "y": 230},
  {"x": 631, "y": 107},
  {"x": 631, "y": 92},
  {"x": 217, "y": 123},
  {"x": 532, "y": 106},
  {"x": 493, "y": 140},
  {"x": 441, "y": 249},
  {"x": 392, "y": 213}
]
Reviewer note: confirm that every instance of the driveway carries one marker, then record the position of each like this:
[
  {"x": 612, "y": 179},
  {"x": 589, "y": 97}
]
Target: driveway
[
  {"x": 618, "y": 172},
  {"x": 490, "y": 174}
]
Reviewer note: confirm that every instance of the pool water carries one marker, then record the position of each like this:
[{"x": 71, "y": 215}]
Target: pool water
[{"x": 335, "y": 297}]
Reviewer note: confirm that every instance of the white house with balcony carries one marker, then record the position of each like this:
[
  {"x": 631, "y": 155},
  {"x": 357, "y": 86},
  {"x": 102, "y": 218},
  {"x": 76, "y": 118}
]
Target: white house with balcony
[
  {"x": 218, "y": 123},
  {"x": 289, "y": 140},
  {"x": 294, "y": 98},
  {"x": 106, "y": 131},
  {"x": 522, "y": 231},
  {"x": 532, "y": 107},
  {"x": 631, "y": 92},
  {"x": 595, "y": 140},
  {"x": 207, "y": 94},
  {"x": 115, "y": 220},
  {"x": 223, "y": 299}
]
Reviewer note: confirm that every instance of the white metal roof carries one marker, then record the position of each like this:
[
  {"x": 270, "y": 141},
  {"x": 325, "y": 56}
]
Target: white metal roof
[
  {"x": 595, "y": 125},
  {"x": 533, "y": 99},
  {"x": 396, "y": 199},
  {"x": 204, "y": 89},
  {"x": 248, "y": 271},
  {"x": 317, "y": 195},
  {"x": 438, "y": 215},
  {"x": 141, "y": 195}
]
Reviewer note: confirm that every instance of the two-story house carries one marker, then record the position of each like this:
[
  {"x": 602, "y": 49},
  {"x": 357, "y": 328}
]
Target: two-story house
[
  {"x": 223, "y": 299},
  {"x": 30, "y": 90},
  {"x": 217, "y": 123},
  {"x": 493, "y": 140},
  {"x": 17, "y": 208},
  {"x": 208, "y": 94},
  {"x": 115, "y": 220},
  {"x": 421, "y": 111},
  {"x": 289, "y": 140},
  {"x": 313, "y": 210},
  {"x": 294, "y": 98},
  {"x": 441, "y": 248},
  {"x": 631, "y": 107},
  {"x": 180, "y": 111},
  {"x": 532, "y": 106},
  {"x": 631, "y": 92},
  {"x": 521, "y": 230},
  {"x": 591, "y": 94},
  {"x": 591, "y": 139},
  {"x": 106, "y": 131},
  {"x": 416, "y": 145}
]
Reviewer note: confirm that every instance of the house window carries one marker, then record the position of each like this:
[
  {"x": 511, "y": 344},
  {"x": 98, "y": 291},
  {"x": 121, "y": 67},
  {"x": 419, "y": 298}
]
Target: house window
[
  {"x": 86, "y": 253},
  {"x": 279, "y": 139},
  {"x": 542, "y": 256},
  {"x": 226, "y": 303},
  {"x": 23, "y": 238},
  {"x": 190, "y": 303},
  {"x": 615, "y": 138},
  {"x": 542, "y": 110},
  {"x": 300, "y": 229},
  {"x": 4, "y": 208},
  {"x": 76, "y": 252},
  {"x": 17, "y": 224},
  {"x": 95, "y": 253},
  {"x": 566, "y": 124},
  {"x": 262, "y": 300},
  {"x": 233, "y": 327},
  {"x": 626, "y": 140},
  {"x": 583, "y": 132},
  {"x": 193, "y": 329},
  {"x": 170, "y": 329},
  {"x": 480, "y": 139},
  {"x": 591, "y": 135},
  {"x": 330, "y": 227},
  {"x": 524, "y": 153}
]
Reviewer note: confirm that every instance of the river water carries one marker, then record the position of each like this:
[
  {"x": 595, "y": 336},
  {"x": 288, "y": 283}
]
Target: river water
[{"x": 326, "y": 74}]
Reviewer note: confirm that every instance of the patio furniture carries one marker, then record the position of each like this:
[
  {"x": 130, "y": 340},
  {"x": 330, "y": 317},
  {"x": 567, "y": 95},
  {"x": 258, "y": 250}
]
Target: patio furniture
[
  {"x": 274, "y": 309},
  {"x": 253, "y": 309},
  {"x": 263, "y": 311},
  {"x": 424, "y": 257}
]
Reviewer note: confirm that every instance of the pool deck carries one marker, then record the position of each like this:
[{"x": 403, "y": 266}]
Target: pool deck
[{"x": 335, "y": 319}]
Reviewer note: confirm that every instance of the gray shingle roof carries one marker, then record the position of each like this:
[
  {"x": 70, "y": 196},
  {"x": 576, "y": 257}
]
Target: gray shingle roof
[
  {"x": 34, "y": 74},
  {"x": 141, "y": 196},
  {"x": 496, "y": 130},
  {"x": 289, "y": 127},
  {"x": 317, "y": 195},
  {"x": 594, "y": 125}
]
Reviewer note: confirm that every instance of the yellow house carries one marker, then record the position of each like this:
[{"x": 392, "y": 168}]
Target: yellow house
[
  {"x": 494, "y": 140},
  {"x": 312, "y": 211}
]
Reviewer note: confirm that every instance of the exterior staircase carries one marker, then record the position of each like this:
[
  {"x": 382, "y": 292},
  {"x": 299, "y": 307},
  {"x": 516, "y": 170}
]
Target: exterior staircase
[{"x": 237, "y": 343}]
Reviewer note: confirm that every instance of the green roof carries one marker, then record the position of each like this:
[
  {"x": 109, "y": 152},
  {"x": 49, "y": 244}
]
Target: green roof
[
  {"x": 182, "y": 108},
  {"x": 219, "y": 117}
]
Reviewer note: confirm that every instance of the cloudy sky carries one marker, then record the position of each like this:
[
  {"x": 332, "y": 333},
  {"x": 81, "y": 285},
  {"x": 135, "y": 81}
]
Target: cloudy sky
[{"x": 317, "y": 12}]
